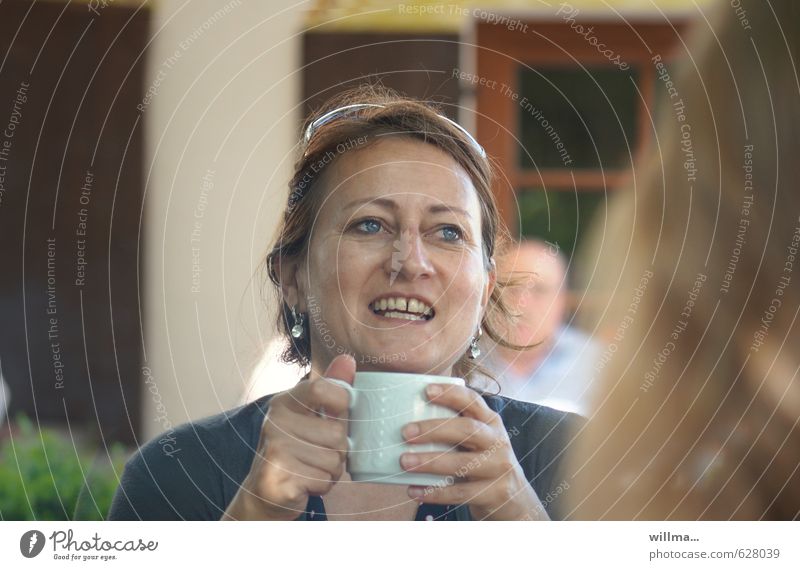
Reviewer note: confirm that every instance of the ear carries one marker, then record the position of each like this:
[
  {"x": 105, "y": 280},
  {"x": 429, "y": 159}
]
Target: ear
[{"x": 293, "y": 283}]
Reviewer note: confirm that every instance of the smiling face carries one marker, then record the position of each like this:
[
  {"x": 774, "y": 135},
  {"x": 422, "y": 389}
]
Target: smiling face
[{"x": 395, "y": 272}]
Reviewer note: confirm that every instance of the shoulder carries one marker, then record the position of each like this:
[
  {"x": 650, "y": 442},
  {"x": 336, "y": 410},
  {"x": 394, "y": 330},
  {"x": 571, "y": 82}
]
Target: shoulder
[
  {"x": 238, "y": 424},
  {"x": 532, "y": 419},
  {"x": 209, "y": 438},
  {"x": 535, "y": 430},
  {"x": 189, "y": 472}
]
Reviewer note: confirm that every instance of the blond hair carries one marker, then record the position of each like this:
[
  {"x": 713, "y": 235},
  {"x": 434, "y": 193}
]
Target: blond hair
[{"x": 697, "y": 414}]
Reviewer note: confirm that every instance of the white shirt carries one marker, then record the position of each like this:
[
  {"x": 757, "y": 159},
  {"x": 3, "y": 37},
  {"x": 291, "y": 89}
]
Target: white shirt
[{"x": 562, "y": 380}]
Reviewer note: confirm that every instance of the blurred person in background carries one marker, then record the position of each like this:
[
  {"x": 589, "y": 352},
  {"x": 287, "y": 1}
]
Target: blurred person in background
[
  {"x": 557, "y": 372},
  {"x": 698, "y": 413}
]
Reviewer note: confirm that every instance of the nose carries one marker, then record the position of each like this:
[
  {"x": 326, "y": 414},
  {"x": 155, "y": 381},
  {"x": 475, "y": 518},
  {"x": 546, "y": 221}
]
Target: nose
[{"x": 409, "y": 259}]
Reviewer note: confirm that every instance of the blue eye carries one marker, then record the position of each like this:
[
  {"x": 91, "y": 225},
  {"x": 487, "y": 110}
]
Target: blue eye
[
  {"x": 451, "y": 233},
  {"x": 369, "y": 226}
]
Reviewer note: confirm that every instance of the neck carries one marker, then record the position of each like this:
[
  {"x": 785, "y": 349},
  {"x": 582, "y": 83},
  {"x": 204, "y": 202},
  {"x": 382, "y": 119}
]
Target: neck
[
  {"x": 523, "y": 362},
  {"x": 319, "y": 366}
]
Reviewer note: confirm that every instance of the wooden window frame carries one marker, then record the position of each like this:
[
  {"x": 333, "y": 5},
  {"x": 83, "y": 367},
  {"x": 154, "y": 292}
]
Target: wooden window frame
[{"x": 501, "y": 51}]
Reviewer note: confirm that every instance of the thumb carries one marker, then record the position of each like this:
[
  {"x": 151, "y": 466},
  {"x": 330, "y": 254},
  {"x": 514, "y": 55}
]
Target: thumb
[{"x": 343, "y": 367}]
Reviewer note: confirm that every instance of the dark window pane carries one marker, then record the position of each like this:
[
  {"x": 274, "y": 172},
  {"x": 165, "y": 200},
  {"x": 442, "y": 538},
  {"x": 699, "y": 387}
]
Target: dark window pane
[
  {"x": 567, "y": 122},
  {"x": 559, "y": 216}
]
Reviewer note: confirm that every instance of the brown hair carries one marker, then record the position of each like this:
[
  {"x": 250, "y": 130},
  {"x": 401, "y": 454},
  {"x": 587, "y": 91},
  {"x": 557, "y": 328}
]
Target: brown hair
[
  {"x": 396, "y": 115},
  {"x": 687, "y": 425}
]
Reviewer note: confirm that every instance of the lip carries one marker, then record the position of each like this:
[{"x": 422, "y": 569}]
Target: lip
[
  {"x": 396, "y": 321},
  {"x": 420, "y": 298}
]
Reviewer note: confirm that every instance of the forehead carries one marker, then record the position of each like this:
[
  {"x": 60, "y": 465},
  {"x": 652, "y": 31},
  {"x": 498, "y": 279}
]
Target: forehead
[
  {"x": 535, "y": 258},
  {"x": 404, "y": 170}
]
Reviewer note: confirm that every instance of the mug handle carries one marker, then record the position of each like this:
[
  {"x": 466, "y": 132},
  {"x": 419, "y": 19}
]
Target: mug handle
[
  {"x": 352, "y": 393},
  {"x": 350, "y": 390}
]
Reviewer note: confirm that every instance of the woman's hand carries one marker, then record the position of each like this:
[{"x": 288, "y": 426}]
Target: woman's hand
[
  {"x": 484, "y": 471},
  {"x": 300, "y": 453}
]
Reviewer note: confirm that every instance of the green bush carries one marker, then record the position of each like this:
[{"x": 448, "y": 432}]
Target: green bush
[{"x": 44, "y": 477}]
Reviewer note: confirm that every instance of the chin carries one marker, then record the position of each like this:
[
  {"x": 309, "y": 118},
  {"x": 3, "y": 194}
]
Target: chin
[{"x": 405, "y": 364}]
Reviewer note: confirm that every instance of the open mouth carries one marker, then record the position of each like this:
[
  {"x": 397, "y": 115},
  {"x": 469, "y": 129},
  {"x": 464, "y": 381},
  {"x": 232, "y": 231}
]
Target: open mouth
[{"x": 407, "y": 308}]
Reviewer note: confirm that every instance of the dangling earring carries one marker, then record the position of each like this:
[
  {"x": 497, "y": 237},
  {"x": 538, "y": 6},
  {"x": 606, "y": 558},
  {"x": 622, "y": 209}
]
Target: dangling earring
[
  {"x": 297, "y": 328},
  {"x": 474, "y": 350}
]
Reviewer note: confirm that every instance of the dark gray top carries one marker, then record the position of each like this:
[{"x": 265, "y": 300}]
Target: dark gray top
[{"x": 194, "y": 471}]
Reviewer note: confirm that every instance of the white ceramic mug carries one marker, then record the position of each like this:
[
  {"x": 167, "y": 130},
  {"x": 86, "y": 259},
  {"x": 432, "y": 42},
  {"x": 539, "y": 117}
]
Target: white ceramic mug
[{"x": 381, "y": 404}]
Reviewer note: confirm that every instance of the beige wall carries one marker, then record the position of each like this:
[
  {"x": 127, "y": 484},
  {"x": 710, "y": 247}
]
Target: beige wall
[{"x": 221, "y": 121}]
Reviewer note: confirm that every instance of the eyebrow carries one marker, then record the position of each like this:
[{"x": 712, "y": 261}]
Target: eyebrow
[{"x": 392, "y": 205}]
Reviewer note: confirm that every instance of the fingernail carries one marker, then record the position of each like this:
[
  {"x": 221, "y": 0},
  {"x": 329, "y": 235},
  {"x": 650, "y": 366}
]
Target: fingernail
[
  {"x": 411, "y": 430},
  {"x": 409, "y": 460},
  {"x": 415, "y": 492},
  {"x": 434, "y": 390}
]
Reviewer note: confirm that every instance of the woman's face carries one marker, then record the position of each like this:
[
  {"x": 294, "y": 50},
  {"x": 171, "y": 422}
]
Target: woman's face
[{"x": 395, "y": 273}]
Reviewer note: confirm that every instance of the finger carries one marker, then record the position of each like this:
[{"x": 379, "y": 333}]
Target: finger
[
  {"x": 343, "y": 367},
  {"x": 324, "y": 459},
  {"x": 468, "y": 433},
  {"x": 311, "y": 480},
  {"x": 462, "y": 493},
  {"x": 311, "y": 395},
  {"x": 321, "y": 432},
  {"x": 459, "y": 464},
  {"x": 285, "y": 481},
  {"x": 463, "y": 400},
  {"x": 318, "y": 482}
]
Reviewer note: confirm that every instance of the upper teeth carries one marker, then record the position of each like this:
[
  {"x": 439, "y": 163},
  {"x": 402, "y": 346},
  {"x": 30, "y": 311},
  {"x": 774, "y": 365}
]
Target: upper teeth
[{"x": 401, "y": 304}]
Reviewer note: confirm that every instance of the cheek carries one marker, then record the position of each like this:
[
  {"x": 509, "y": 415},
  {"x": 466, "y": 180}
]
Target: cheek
[
  {"x": 342, "y": 269},
  {"x": 322, "y": 279},
  {"x": 469, "y": 284}
]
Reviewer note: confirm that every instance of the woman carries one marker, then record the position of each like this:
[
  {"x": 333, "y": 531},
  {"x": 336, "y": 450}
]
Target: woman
[
  {"x": 383, "y": 261},
  {"x": 698, "y": 415}
]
